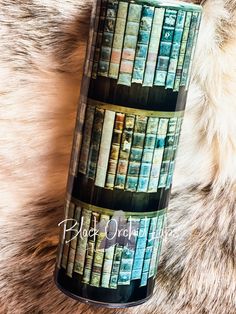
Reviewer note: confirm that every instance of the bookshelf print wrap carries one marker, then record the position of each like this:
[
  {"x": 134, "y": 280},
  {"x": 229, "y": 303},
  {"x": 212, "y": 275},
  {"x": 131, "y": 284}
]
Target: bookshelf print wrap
[
  {"x": 146, "y": 43},
  {"x": 108, "y": 249},
  {"x": 129, "y": 149}
]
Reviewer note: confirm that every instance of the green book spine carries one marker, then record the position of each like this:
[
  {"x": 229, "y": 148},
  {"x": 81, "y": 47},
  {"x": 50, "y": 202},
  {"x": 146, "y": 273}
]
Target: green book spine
[
  {"x": 158, "y": 154},
  {"x": 193, "y": 50},
  {"x": 82, "y": 241},
  {"x": 168, "y": 152},
  {"x": 140, "y": 248},
  {"x": 109, "y": 30},
  {"x": 95, "y": 142},
  {"x": 165, "y": 47},
  {"x": 73, "y": 243},
  {"x": 125, "y": 147},
  {"x": 99, "y": 252},
  {"x": 179, "y": 28},
  {"x": 153, "y": 47},
  {"x": 147, "y": 156},
  {"x": 115, "y": 149},
  {"x": 70, "y": 208},
  {"x": 100, "y": 30},
  {"x": 104, "y": 151},
  {"x": 88, "y": 126},
  {"x": 142, "y": 44},
  {"x": 148, "y": 251},
  {"x": 136, "y": 153},
  {"x": 130, "y": 42},
  {"x": 116, "y": 266},
  {"x": 189, "y": 49},
  {"x": 118, "y": 40},
  {"x": 107, "y": 266},
  {"x": 90, "y": 248},
  {"x": 182, "y": 50}
]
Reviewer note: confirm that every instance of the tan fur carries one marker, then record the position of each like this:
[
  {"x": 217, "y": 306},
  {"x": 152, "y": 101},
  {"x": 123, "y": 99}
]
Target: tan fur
[{"x": 42, "y": 46}]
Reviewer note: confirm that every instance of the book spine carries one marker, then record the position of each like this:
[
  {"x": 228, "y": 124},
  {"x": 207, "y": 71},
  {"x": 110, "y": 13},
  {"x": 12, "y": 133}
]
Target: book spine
[
  {"x": 189, "y": 49},
  {"x": 125, "y": 148},
  {"x": 70, "y": 208},
  {"x": 95, "y": 142},
  {"x": 104, "y": 151},
  {"x": 88, "y": 126},
  {"x": 168, "y": 152},
  {"x": 160, "y": 236},
  {"x": 99, "y": 252},
  {"x": 140, "y": 248},
  {"x": 116, "y": 266},
  {"x": 115, "y": 148},
  {"x": 100, "y": 29},
  {"x": 142, "y": 44},
  {"x": 153, "y": 47},
  {"x": 90, "y": 248},
  {"x": 147, "y": 156},
  {"x": 130, "y": 42},
  {"x": 165, "y": 47},
  {"x": 109, "y": 30},
  {"x": 118, "y": 40},
  {"x": 175, "y": 146},
  {"x": 127, "y": 259},
  {"x": 179, "y": 29},
  {"x": 158, "y": 154},
  {"x": 182, "y": 51},
  {"x": 193, "y": 50},
  {"x": 136, "y": 153},
  {"x": 82, "y": 241},
  {"x": 157, "y": 239},
  {"x": 148, "y": 251},
  {"x": 73, "y": 243}
]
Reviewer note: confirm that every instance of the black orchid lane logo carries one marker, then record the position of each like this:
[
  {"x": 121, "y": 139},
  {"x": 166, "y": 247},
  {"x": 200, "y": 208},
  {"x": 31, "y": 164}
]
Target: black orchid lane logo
[{"x": 118, "y": 230}]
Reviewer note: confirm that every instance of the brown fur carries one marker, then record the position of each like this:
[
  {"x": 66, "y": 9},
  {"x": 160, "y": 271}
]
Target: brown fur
[{"x": 42, "y": 45}]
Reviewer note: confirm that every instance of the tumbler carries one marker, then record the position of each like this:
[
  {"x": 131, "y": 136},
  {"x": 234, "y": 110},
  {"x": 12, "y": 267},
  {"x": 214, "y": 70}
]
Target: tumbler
[{"x": 133, "y": 96}]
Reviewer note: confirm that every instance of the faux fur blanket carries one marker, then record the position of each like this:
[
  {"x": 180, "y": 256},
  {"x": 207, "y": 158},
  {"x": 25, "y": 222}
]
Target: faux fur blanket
[{"x": 42, "y": 45}]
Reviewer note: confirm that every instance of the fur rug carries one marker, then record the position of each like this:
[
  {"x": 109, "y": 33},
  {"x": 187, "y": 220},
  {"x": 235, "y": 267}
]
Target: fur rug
[{"x": 42, "y": 45}]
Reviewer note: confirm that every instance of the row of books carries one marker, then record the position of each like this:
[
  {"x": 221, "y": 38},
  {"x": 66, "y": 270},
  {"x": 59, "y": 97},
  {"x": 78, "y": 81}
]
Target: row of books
[
  {"x": 127, "y": 151},
  {"x": 110, "y": 258},
  {"x": 142, "y": 44}
]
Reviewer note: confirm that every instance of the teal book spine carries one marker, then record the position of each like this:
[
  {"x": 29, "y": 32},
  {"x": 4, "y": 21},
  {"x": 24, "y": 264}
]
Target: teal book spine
[
  {"x": 73, "y": 242},
  {"x": 100, "y": 31},
  {"x": 107, "y": 38},
  {"x": 179, "y": 28},
  {"x": 88, "y": 126},
  {"x": 189, "y": 49},
  {"x": 161, "y": 228},
  {"x": 126, "y": 142},
  {"x": 140, "y": 248},
  {"x": 118, "y": 39},
  {"x": 116, "y": 266},
  {"x": 147, "y": 156},
  {"x": 148, "y": 251},
  {"x": 130, "y": 43},
  {"x": 158, "y": 154},
  {"x": 165, "y": 47},
  {"x": 136, "y": 153},
  {"x": 142, "y": 44},
  {"x": 193, "y": 50},
  {"x": 182, "y": 51},
  {"x": 153, "y": 46},
  {"x": 95, "y": 142},
  {"x": 115, "y": 150},
  {"x": 168, "y": 152}
]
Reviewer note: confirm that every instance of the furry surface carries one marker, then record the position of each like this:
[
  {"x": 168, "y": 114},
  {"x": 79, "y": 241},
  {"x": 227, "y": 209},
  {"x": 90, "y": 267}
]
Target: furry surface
[{"x": 42, "y": 46}]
